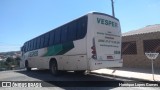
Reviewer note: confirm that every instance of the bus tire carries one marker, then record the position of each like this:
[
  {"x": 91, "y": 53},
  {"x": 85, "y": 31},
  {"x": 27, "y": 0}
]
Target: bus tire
[
  {"x": 53, "y": 68},
  {"x": 80, "y": 72},
  {"x": 27, "y": 66}
]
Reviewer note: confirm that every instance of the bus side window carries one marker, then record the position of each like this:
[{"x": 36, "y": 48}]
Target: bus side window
[
  {"x": 72, "y": 31},
  {"x": 41, "y": 41},
  {"x": 38, "y": 43},
  {"x": 81, "y": 27},
  {"x": 34, "y": 44},
  {"x": 57, "y": 36},
  {"x": 51, "y": 38},
  {"x": 64, "y": 34},
  {"x": 46, "y": 40},
  {"x": 29, "y": 46},
  {"x": 26, "y": 46}
]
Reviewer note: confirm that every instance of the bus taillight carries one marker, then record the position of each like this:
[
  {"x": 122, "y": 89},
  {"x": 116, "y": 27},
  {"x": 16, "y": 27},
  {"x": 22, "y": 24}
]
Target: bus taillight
[{"x": 94, "y": 56}]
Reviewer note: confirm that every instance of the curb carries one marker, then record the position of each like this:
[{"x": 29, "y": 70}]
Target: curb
[{"x": 131, "y": 78}]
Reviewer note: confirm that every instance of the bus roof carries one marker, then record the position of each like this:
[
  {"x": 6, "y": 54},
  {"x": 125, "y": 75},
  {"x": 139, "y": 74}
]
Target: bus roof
[
  {"x": 92, "y": 12},
  {"x": 99, "y": 13}
]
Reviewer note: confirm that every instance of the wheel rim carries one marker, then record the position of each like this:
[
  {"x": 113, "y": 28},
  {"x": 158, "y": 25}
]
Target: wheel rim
[
  {"x": 54, "y": 68},
  {"x": 26, "y": 64}
]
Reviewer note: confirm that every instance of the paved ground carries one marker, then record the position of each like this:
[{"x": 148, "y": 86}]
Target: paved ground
[
  {"x": 131, "y": 73},
  {"x": 70, "y": 78},
  {"x": 45, "y": 76}
]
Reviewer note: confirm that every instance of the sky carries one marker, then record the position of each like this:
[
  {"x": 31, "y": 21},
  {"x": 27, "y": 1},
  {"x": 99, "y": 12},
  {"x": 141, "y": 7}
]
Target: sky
[{"x": 22, "y": 20}]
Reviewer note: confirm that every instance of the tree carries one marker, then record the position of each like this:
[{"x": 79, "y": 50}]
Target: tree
[
  {"x": 9, "y": 60},
  {"x": 18, "y": 59}
]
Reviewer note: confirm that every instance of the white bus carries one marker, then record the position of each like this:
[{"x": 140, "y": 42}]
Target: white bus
[{"x": 90, "y": 42}]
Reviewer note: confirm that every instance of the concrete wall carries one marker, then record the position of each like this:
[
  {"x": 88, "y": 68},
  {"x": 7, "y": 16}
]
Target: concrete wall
[{"x": 139, "y": 60}]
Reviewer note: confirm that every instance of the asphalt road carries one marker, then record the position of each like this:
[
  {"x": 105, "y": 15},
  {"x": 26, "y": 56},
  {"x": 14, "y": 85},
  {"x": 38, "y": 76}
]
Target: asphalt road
[
  {"x": 44, "y": 75},
  {"x": 66, "y": 81}
]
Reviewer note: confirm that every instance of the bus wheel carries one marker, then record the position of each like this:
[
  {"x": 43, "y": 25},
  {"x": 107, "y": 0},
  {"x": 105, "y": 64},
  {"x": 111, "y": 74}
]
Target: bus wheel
[
  {"x": 53, "y": 68},
  {"x": 80, "y": 72},
  {"x": 27, "y": 66}
]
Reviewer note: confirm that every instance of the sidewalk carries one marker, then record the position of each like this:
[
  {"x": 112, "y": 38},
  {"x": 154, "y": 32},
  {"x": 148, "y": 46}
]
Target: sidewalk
[{"x": 131, "y": 73}]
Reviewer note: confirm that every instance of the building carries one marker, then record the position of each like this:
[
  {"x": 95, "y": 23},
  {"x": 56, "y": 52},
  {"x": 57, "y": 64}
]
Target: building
[
  {"x": 135, "y": 43},
  {"x": 1, "y": 59}
]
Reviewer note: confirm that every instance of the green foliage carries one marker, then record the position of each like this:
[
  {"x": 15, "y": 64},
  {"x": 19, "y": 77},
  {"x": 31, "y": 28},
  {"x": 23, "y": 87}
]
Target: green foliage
[
  {"x": 10, "y": 63},
  {"x": 9, "y": 59}
]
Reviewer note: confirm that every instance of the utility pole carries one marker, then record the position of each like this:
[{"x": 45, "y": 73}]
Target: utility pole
[{"x": 112, "y": 2}]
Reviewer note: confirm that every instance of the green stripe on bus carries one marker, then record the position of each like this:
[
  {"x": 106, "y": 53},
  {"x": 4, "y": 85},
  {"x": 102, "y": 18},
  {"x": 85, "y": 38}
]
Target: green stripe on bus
[
  {"x": 66, "y": 47},
  {"x": 59, "y": 49}
]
